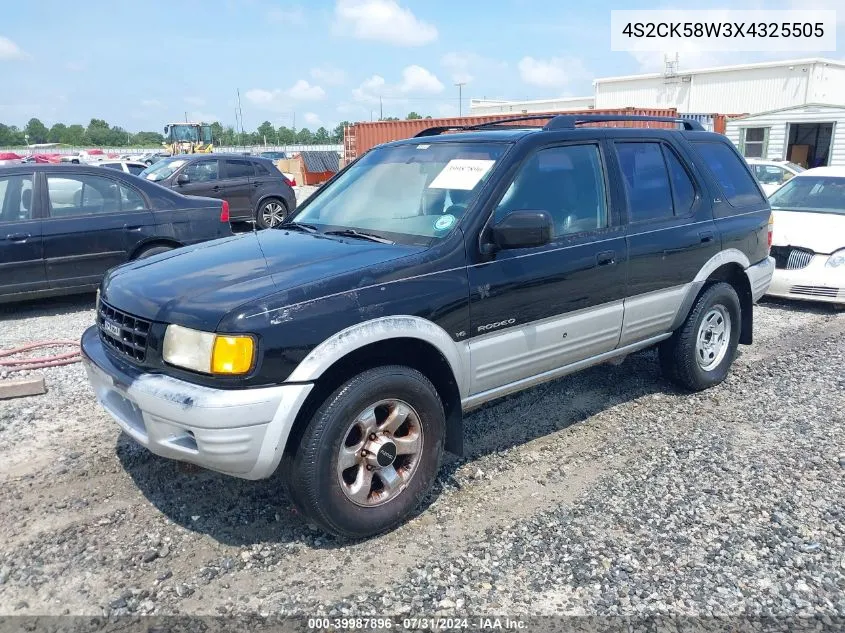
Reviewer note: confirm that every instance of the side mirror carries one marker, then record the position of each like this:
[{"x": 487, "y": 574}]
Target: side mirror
[
  {"x": 183, "y": 179},
  {"x": 523, "y": 229}
]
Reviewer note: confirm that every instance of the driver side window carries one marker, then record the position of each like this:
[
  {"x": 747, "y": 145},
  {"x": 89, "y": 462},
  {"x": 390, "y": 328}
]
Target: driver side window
[{"x": 567, "y": 182}]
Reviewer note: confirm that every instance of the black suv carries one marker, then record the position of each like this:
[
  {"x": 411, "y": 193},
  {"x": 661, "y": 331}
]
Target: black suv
[
  {"x": 255, "y": 189},
  {"x": 430, "y": 276}
]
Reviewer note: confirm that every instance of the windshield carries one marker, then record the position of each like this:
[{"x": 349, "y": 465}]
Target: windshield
[
  {"x": 414, "y": 193},
  {"x": 795, "y": 167},
  {"x": 162, "y": 169},
  {"x": 821, "y": 194},
  {"x": 183, "y": 133}
]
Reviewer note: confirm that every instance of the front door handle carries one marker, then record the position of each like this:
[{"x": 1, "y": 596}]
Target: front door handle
[
  {"x": 606, "y": 258},
  {"x": 706, "y": 237},
  {"x": 217, "y": 188},
  {"x": 132, "y": 227},
  {"x": 257, "y": 184},
  {"x": 18, "y": 237}
]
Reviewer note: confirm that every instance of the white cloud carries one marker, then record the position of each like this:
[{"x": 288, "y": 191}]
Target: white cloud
[
  {"x": 555, "y": 72},
  {"x": 328, "y": 75},
  {"x": 9, "y": 51},
  {"x": 283, "y": 99},
  {"x": 383, "y": 21},
  {"x": 418, "y": 80},
  {"x": 195, "y": 101},
  {"x": 312, "y": 118},
  {"x": 294, "y": 15},
  {"x": 304, "y": 91}
]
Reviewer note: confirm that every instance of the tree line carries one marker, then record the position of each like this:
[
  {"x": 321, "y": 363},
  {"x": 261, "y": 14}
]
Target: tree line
[{"x": 98, "y": 133}]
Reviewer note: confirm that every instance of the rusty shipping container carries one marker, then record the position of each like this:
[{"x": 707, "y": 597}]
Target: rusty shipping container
[{"x": 360, "y": 137}]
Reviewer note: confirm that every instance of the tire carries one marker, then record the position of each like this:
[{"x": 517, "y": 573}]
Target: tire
[
  {"x": 695, "y": 366},
  {"x": 327, "y": 493},
  {"x": 153, "y": 250},
  {"x": 271, "y": 212}
]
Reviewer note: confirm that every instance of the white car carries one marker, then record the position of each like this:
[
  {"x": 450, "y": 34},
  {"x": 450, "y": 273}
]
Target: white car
[
  {"x": 128, "y": 166},
  {"x": 772, "y": 174},
  {"x": 808, "y": 238}
]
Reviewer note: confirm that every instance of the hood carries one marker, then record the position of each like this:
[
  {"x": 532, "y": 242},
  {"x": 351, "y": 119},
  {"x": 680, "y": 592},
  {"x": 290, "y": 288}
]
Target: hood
[
  {"x": 197, "y": 286},
  {"x": 820, "y": 232}
]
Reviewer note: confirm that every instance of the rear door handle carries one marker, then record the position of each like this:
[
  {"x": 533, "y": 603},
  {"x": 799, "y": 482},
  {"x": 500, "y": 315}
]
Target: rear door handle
[
  {"x": 18, "y": 237},
  {"x": 217, "y": 188},
  {"x": 132, "y": 227},
  {"x": 257, "y": 184},
  {"x": 706, "y": 236},
  {"x": 606, "y": 258}
]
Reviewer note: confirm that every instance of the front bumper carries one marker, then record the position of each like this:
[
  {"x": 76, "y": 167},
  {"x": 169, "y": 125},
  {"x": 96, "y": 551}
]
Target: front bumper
[
  {"x": 237, "y": 432},
  {"x": 815, "y": 282},
  {"x": 760, "y": 277}
]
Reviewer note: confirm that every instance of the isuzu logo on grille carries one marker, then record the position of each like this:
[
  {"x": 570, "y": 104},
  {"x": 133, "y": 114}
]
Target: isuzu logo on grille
[{"x": 112, "y": 328}]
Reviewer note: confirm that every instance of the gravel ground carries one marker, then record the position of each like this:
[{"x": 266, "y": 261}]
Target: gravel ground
[{"x": 603, "y": 493}]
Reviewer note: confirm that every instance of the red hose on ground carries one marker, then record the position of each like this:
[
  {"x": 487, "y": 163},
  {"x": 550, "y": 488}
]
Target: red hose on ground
[{"x": 22, "y": 364}]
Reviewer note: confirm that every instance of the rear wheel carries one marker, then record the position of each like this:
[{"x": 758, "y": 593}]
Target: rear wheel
[
  {"x": 370, "y": 453},
  {"x": 153, "y": 250},
  {"x": 271, "y": 212},
  {"x": 700, "y": 353}
]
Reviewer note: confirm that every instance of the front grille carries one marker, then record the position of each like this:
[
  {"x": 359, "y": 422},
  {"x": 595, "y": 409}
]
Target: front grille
[
  {"x": 817, "y": 291},
  {"x": 789, "y": 258},
  {"x": 130, "y": 336}
]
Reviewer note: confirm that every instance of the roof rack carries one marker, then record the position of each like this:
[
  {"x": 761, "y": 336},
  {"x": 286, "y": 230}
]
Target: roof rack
[{"x": 564, "y": 122}]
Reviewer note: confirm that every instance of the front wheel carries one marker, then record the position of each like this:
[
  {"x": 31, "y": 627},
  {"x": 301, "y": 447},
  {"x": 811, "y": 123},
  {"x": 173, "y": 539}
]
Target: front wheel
[
  {"x": 271, "y": 213},
  {"x": 700, "y": 353},
  {"x": 370, "y": 453}
]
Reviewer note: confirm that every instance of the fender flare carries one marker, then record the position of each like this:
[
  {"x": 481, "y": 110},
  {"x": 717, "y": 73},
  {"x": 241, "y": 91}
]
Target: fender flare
[
  {"x": 727, "y": 256},
  {"x": 377, "y": 331}
]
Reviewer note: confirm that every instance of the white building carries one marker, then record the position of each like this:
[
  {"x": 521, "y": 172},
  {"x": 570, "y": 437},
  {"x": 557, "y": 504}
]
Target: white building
[
  {"x": 747, "y": 88},
  {"x": 811, "y": 135},
  {"x": 499, "y": 106}
]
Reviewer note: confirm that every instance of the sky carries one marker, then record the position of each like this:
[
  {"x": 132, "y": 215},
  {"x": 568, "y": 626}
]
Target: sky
[{"x": 314, "y": 63}]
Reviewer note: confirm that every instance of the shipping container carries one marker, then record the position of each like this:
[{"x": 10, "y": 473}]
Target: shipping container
[{"x": 358, "y": 138}]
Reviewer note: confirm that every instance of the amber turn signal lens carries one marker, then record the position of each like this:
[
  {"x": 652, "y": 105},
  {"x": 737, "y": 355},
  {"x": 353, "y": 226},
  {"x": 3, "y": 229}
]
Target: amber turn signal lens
[{"x": 232, "y": 354}]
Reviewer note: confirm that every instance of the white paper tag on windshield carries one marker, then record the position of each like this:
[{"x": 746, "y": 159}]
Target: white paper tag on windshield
[{"x": 461, "y": 173}]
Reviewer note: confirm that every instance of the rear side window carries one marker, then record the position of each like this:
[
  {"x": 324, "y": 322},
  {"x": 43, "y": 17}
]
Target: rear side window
[
  {"x": 736, "y": 183},
  {"x": 239, "y": 169},
  {"x": 261, "y": 169},
  {"x": 682, "y": 188},
  {"x": 136, "y": 169},
  {"x": 646, "y": 181}
]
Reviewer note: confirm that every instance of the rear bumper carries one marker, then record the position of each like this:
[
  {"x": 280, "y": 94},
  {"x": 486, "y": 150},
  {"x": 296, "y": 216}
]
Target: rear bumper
[
  {"x": 237, "y": 432},
  {"x": 760, "y": 277},
  {"x": 816, "y": 282}
]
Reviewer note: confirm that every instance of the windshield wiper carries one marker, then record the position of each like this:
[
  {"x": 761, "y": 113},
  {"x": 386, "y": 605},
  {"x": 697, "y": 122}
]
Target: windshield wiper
[
  {"x": 360, "y": 235},
  {"x": 299, "y": 226}
]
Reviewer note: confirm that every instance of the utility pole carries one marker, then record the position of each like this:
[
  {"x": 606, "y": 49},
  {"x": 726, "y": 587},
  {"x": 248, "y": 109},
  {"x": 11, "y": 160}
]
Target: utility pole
[
  {"x": 186, "y": 116},
  {"x": 380, "y": 109},
  {"x": 242, "y": 116},
  {"x": 460, "y": 86}
]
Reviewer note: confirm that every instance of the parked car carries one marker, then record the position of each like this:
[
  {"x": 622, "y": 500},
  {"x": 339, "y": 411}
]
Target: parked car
[
  {"x": 430, "y": 276},
  {"x": 126, "y": 166},
  {"x": 63, "y": 226},
  {"x": 771, "y": 174},
  {"x": 153, "y": 158},
  {"x": 274, "y": 155},
  {"x": 255, "y": 189},
  {"x": 809, "y": 237}
]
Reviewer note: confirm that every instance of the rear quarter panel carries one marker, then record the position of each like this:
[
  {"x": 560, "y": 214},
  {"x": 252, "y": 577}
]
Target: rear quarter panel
[{"x": 192, "y": 220}]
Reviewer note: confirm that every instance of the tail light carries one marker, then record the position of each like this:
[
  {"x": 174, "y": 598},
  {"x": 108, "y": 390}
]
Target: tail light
[
  {"x": 224, "y": 212},
  {"x": 290, "y": 181},
  {"x": 771, "y": 228}
]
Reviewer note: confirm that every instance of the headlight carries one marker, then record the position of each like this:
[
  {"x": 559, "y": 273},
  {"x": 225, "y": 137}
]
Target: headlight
[
  {"x": 837, "y": 259},
  {"x": 208, "y": 353}
]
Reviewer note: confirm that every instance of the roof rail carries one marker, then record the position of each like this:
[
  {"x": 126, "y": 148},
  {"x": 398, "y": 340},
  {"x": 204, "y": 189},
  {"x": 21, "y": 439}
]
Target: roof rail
[
  {"x": 564, "y": 122},
  {"x": 571, "y": 121}
]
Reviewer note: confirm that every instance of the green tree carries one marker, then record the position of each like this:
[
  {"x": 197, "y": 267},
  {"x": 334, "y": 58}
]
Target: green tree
[
  {"x": 337, "y": 133},
  {"x": 36, "y": 131},
  {"x": 229, "y": 136},
  {"x": 413, "y": 115},
  {"x": 304, "y": 136},
  {"x": 57, "y": 132},
  {"x": 99, "y": 133},
  {"x": 389, "y": 118},
  {"x": 286, "y": 136},
  {"x": 75, "y": 135},
  {"x": 321, "y": 135},
  {"x": 147, "y": 139},
  {"x": 10, "y": 135},
  {"x": 266, "y": 133},
  {"x": 217, "y": 132},
  {"x": 118, "y": 137}
]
